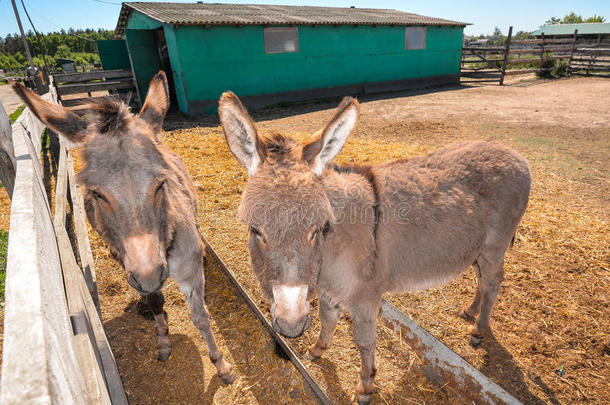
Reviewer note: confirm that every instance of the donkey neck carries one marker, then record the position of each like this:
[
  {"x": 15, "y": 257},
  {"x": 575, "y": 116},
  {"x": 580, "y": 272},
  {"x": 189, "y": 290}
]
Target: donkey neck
[{"x": 369, "y": 201}]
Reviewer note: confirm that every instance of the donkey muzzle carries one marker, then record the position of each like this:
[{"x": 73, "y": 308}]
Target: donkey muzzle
[
  {"x": 290, "y": 310},
  {"x": 150, "y": 282},
  {"x": 145, "y": 262}
]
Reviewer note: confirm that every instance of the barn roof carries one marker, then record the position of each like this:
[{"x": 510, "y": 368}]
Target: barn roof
[
  {"x": 249, "y": 14},
  {"x": 568, "y": 29}
]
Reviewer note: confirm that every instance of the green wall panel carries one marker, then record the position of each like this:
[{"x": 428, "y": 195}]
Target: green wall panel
[
  {"x": 139, "y": 21},
  {"x": 229, "y": 58},
  {"x": 113, "y": 54}
]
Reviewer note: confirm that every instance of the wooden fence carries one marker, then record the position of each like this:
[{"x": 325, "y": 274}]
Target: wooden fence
[
  {"x": 121, "y": 82},
  {"x": 55, "y": 350},
  {"x": 493, "y": 63}
]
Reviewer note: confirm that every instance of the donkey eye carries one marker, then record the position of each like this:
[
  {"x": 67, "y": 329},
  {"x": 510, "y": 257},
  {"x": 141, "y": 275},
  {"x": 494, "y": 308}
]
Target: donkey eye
[
  {"x": 258, "y": 234},
  {"x": 160, "y": 187},
  {"x": 326, "y": 228},
  {"x": 98, "y": 196}
]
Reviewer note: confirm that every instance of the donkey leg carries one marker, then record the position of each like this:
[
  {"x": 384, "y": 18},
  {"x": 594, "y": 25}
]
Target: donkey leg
[
  {"x": 469, "y": 313},
  {"x": 365, "y": 336},
  {"x": 329, "y": 316},
  {"x": 155, "y": 301},
  {"x": 490, "y": 283},
  {"x": 201, "y": 319}
]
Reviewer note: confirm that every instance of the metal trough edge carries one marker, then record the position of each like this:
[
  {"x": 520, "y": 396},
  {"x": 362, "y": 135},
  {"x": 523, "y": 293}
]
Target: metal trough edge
[{"x": 445, "y": 365}]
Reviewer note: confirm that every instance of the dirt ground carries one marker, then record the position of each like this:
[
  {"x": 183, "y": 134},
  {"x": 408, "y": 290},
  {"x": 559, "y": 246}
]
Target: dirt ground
[
  {"x": 553, "y": 307},
  {"x": 9, "y": 100}
]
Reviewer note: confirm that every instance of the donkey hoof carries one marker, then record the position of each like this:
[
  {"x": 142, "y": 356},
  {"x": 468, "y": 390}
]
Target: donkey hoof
[
  {"x": 362, "y": 399},
  {"x": 310, "y": 356},
  {"x": 464, "y": 315},
  {"x": 164, "y": 355},
  {"x": 227, "y": 378},
  {"x": 475, "y": 341}
]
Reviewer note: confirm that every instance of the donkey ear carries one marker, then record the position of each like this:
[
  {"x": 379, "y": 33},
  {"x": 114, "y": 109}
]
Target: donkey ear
[
  {"x": 157, "y": 102},
  {"x": 58, "y": 118},
  {"x": 240, "y": 132},
  {"x": 327, "y": 143}
]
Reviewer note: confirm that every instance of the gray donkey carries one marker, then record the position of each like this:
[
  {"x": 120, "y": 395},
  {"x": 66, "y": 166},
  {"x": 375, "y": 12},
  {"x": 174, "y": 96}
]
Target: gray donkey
[
  {"x": 141, "y": 200},
  {"x": 352, "y": 233}
]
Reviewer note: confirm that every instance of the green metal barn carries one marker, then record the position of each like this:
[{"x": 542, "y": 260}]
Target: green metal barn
[{"x": 269, "y": 54}]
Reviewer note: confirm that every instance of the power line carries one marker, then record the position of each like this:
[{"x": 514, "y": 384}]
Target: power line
[
  {"x": 105, "y": 2},
  {"x": 67, "y": 32},
  {"x": 42, "y": 45}
]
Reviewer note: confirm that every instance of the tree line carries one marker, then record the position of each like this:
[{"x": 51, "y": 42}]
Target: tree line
[
  {"x": 497, "y": 38},
  {"x": 79, "y": 45}
]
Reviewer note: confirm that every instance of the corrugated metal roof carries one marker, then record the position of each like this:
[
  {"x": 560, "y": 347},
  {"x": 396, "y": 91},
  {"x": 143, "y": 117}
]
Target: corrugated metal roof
[
  {"x": 250, "y": 14},
  {"x": 568, "y": 29}
]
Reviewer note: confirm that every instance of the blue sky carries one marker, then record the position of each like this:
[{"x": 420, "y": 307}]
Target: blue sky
[{"x": 526, "y": 15}]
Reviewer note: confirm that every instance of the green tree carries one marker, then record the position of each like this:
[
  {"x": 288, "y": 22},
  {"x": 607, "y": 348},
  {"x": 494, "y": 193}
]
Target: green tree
[
  {"x": 595, "y": 19},
  {"x": 552, "y": 21},
  {"x": 572, "y": 18},
  {"x": 63, "y": 51}
]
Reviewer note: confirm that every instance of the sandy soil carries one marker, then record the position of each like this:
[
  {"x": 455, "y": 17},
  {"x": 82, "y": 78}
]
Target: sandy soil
[
  {"x": 553, "y": 307},
  {"x": 9, "y": 100}
]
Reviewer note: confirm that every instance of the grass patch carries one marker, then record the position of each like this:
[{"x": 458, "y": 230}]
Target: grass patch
[
  {"x": 13, "y": 117},
  {"x": 3, "y": 250}
]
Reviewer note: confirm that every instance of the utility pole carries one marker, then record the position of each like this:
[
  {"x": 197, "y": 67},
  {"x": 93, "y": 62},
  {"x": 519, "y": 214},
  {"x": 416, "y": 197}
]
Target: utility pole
[{"x": 25, "y": 41}]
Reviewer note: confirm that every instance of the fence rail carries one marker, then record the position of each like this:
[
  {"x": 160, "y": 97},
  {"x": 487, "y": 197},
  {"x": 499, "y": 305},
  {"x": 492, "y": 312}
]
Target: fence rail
[
  {"x": 491, "y": 63},
  {"x": 55, "y": 350},
  {"x": 121, "y": 82}
]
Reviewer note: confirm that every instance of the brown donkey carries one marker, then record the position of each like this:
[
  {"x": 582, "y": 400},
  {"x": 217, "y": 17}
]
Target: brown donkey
[
  {"x": 352, "y": 233},
  {"x": 141, "y": 200}
]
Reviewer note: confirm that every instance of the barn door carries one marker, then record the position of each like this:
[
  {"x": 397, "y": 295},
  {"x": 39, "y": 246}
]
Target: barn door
[{"x": 144, "y": 56}]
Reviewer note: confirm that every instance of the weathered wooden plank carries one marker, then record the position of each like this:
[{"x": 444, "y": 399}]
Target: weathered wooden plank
[
  {"x": 483, "y": 60},
  {"x": 88, "y": 76},
  {"x": 64, "y": 89},
  {"x": 567, "y": 40},
  {"x": 534, "y": 60},
  {"x": 593, "y": 69},
  {"x": 473, "y": 75},
  {"x": 508, "y": 43},
  {"x": 61, "y": 190},
  {"x": 82, "y": 238},
  {"x": 7, "y": 153},
  {"x": 524, "y": 71},
  {"x": 85, "y": 351},
  {"x": 72, "y": 102}
]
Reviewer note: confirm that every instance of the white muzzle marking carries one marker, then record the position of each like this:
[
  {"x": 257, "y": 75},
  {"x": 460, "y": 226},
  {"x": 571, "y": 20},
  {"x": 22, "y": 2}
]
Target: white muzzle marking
[{"x": 290, "y": 303}]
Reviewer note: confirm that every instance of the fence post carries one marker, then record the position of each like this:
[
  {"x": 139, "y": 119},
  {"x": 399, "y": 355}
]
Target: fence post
[
  {"x": 541, "y": 54},
  {"x": 572, "y": 53},
  {"x": 7, "y": 153},
  {"x": 510, "y": 34}
]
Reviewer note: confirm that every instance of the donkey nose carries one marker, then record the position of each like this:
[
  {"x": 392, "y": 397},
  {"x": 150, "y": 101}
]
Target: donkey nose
[
  {"x": 291, "y": 330},
  {"x": 150, "y": 281}
]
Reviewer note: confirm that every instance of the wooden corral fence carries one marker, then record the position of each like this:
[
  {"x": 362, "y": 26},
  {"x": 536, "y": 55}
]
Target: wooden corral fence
[
  {"x": 55, "y": 349},
  {"x": 492, "y": 63},
  {"x": 121, "y": 84}
]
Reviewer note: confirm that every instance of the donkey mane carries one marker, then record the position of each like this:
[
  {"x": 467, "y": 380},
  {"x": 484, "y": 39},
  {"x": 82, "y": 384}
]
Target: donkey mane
[
  {"x": 111, "y": 116},
  {"x": 366, "y": 171},
  {"x": 278, "y": 147}
]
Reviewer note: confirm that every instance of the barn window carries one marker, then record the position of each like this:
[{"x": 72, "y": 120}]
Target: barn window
[
  {"x": 281, "y": 39},
  {"x": 415, "y": 37}
]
